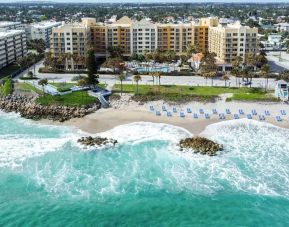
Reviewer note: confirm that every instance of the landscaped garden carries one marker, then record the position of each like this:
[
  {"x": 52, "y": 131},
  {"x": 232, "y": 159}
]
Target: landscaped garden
[{"x": 192, "y": 93}]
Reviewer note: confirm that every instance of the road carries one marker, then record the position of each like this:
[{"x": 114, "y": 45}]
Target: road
[{"x": 110, "y": 80}]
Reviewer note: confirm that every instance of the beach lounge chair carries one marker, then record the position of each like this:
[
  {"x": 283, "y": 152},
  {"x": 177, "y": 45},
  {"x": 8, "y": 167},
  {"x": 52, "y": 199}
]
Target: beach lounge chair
[
  {"x": 182, "y": 114},
  {"x": 278, "y": 118},
  {"x": 174, "y": 109},
  {"x": 164, "y": 108},
  {"x": 201, "y": 111},
  {"x": 283, "y": 112},
  {"x": 267, "y": 113},
  {"x": 169, "y": 114},
  {"x": 236, "y": 116},
  {"x": 228, "y": 111},
  {"x": 189, "y": 110},
  {"x": 254, "y": 112},
  {"x": 207, "y": 116},
  {"x": 241, "y": 112},
  {"x": 249, "y": 116},
  {"x": 196, "y": 116},
  {"x": 261, "y": 117},
  {"x": 158, "y": 113},
  {"x": 152, "y": 108},
  {"x": 222, "y": 116},
  {"x": 214, "y": 111}
]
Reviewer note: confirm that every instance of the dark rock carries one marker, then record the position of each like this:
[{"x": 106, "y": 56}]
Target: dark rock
[
  {"x": 97, "y": 141},
  {"x": 201, "y": 145},
  {"x": 29, "y": 109}
]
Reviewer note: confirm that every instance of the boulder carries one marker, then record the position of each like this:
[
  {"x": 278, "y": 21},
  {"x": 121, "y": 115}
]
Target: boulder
[
  {"x": 200, "y": 145},
  {"x": 96, "y": 141}
]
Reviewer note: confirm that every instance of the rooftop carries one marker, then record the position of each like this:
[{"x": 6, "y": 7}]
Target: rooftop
[
  {"x": 45, "y": 24},
  {"x": 8, "y": 23},
  {"x": 4, "y": 34}
]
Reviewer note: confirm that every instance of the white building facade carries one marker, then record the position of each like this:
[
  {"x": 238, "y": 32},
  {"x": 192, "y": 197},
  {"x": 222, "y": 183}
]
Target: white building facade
[
  {"x": 41, "y": 30},
  {"x": 143, "y": 37},
  {"x": 9, "y": 25},
  {"x": 12, "y": 46}
]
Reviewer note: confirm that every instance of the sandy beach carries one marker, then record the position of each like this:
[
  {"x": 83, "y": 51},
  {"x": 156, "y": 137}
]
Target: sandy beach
[{"x": 126, "y": 111}]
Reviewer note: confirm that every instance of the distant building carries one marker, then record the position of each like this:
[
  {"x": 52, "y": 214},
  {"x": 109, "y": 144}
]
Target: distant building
[
  {"x": 41, "y": 30},
  {"x": 282, "y": 27},
  {"x": 273, "y": 42},
  {"x": 12, "y": 46},
  {"x": 232, "y": 40},
  {"x": 9, "y": 25}
]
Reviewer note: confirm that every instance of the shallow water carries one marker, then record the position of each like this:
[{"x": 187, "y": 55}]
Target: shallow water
[{"x": 47, "y": 179}]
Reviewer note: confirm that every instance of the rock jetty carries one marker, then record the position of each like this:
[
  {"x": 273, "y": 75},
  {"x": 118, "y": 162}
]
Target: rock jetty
[
  {"x": 96, "y": 141},
  {"x": 201, "y": 145},
  {"x": 31, "y": 110}
]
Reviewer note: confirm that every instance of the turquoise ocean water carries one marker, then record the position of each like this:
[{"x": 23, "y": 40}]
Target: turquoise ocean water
[{"x": 47, "y": 179}]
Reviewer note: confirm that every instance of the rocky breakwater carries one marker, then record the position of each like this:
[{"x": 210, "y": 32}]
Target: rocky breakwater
[
  {"x": 97, "y": 141},
  {"x": 200, "y": 145},
  {"x": 31, "y": 110}
]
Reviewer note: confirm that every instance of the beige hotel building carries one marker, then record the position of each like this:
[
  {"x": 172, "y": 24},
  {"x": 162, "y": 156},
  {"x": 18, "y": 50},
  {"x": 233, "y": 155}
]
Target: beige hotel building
[{"x": 139, "y": 37}]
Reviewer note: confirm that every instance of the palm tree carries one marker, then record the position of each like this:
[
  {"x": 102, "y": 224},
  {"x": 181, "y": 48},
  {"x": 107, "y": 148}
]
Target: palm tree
[
  {"x": 226, "y": 77},
  {"x": 236, "y": 64},
  {"x": 158, "y": 75},
  {"x": 121, "y": 77},
  {"x": 137, "y": 78},
  {"x": 82, "y": 83},
  {"x": 265, "y": 69},
  {"x": 43, "y": 83}
]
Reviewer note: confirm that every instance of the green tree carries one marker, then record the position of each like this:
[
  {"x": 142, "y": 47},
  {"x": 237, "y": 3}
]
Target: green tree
[
  {"x": 265, "y": 69},
  {"x": 43, "y": 82},
  {"x": 121, "y": 78},
  {"x": 137, "y": 78},
  {"x": 90, "y": 62},
  {"x": 226, "y": 77}
]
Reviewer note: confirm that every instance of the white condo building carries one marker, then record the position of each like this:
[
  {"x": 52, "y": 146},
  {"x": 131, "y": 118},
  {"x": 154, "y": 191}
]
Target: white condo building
[
  {"x": 41, "y": 30},
  {"x": 12, "y": 46},
  {"x": 8, "y": 25}
]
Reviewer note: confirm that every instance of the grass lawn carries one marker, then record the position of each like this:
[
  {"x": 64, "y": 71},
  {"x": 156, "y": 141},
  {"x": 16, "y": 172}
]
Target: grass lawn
[
  {"x": 188, "y": 93},
  {"x": 62, "y": 87},
  {"x": 6, "y": 71},
  {"x": 28, "y": 87},
  {"x": 77, "y": 98},
  {"x": 262, "y": 97}
]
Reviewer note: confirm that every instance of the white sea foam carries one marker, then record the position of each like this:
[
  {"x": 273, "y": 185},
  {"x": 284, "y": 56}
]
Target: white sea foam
[
  {"x": 255, "y": 160},
  {"x": 143, "y": 131}
]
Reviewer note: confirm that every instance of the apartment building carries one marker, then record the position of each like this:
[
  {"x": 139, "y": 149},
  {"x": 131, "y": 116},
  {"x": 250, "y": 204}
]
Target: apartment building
[
  {"x": 9, "y": 25},
  {"x": 201, "y": 32},
  {"x": 12, "y": 46},
  {"x": 41, "y": 30},
  {"x": 143, "y": 37},
  {"x": 174, "y": 37},
  {"x": 98, "y": 39},
  {"x": 72, "y": 39},
  {"x": 231, "y": 40},
  {"x": 119, "y": 35}
]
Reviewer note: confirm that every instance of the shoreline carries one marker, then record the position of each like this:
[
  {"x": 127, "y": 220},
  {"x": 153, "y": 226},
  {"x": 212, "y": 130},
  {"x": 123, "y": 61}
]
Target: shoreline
[
  {"x": 126, "y": 111},
  {"x": 106, "y": 119}
]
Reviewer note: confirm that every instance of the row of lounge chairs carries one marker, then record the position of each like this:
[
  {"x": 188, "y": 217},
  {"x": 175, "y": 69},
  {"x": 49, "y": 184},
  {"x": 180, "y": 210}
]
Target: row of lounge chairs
[
  {"x": 214, "y": 111},
  {"x": 222, "y": 116}
]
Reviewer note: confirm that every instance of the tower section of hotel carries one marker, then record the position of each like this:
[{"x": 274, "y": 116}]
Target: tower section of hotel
[
  {"x": 119, "y": 35},
  {"x": 143, "y": 37},
  {"x": 231, "y": 40},
  {"x": 70, "y": 43}
]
